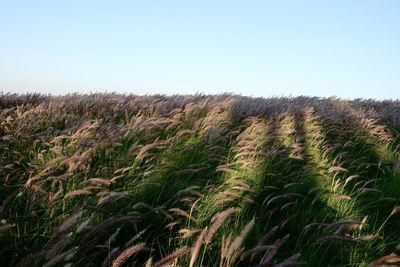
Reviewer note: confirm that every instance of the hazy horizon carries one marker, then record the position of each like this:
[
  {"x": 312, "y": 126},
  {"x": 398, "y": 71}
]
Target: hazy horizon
[{"x": 347, "y": 49}]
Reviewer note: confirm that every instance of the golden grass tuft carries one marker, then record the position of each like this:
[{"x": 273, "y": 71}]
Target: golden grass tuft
[
  {"x": 217, "y": 222},
  {"x": 127, "y": 253}
]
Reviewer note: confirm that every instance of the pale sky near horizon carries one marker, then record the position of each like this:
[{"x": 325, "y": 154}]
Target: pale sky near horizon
[{"x": 344, "y": 48}]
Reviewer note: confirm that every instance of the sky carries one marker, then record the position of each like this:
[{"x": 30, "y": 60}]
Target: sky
[{"x": 343, "y": 48}]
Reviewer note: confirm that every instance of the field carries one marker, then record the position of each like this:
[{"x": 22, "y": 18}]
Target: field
[{"x": 225, "y": 180}]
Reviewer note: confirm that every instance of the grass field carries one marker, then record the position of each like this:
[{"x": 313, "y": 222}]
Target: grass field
[{"x": 113, "y": 180}]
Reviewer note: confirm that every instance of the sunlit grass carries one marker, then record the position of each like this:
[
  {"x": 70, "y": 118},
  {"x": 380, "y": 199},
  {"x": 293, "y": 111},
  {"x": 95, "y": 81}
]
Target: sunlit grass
[{"x": 110, "y": 180}]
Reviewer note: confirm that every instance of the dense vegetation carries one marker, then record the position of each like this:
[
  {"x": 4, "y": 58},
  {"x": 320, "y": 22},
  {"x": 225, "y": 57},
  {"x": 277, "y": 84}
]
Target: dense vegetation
[{"x": 113, "y": 180}]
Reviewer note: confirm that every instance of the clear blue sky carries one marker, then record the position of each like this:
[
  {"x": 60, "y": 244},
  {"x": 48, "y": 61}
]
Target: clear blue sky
[{"x": 262, "y": 48}]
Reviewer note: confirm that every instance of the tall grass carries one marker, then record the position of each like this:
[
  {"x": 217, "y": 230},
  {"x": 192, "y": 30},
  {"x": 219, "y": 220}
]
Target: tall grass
[{"x": 125, "y": 180}]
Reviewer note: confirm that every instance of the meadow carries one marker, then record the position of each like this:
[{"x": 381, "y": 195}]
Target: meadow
[{"x": 198, "y": 180}]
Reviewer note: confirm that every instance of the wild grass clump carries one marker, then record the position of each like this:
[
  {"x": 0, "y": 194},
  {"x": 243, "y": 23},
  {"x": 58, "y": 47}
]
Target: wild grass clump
[{"x": 225, "y": 180}]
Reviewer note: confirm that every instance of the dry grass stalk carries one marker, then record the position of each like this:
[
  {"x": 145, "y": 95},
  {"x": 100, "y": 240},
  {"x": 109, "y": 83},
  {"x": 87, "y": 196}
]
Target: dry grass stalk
[
  {"x": 388, "y": 260},
  {"x": 254, "y": 251},
  {"x": 225, "y": 244},
  {"x": 340, "y": 197},
  {"x": 236, "y": 247},
  {"x": 112, "y": 196},
  {"x": 60, "y": 258},
  {"x": 288, "y": 205},
  {"x": 345, "y": 229},
  {"x": 239, "y": 184},
  {"x": 188, "y": 233},
  {"x": 370, "y": 190},
  {"x": 145, "y": 150},
  {"x": 78, "y": 192},
  {"x": 347, "y": 223},
  {"x": 276, "y": 199},
  {"x": 218, "y": 220},
  {"x": 127, "y": 253},
  {"x": 270, "y": 254},
  {"x": 182, "y": 213},
  {"x": 166, "y": 261},
  {"x": 122, "y": 170},
  {"x": 267, "y": 236},
  {"x": 287, "y": 221},
  {"x": 187, "y": 200},
  {"x": 396, "y": 210},
  {"x": 100, "y": 181},
  {"x": 197, "y": 247},
  {"x": 172, "y": 224},
  {"x": 190, "y": 190},
  {"x": 116, "y": 178},
  {"x": 54, "y": 196},
  {"x": 337, "y": 169},
  {"x": 69, "y": 223},
  {"x": 228, "y": 195},
  {"x": 107, "y": 223},
  {"x": 62, "y": 178},
  {"x": 38, "y": 188},
  {"x": 149, "y": 262},
  {"x": 350, "y": 178},
  {"x": 226, "y": 169}
]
